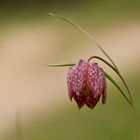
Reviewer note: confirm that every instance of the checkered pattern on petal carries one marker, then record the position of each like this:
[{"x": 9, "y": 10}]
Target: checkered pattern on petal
[
  {"x": 76, "y": 79},
  {"x": 103, "y": 85},
  {"x": 92, "y": 79},
  {"x": 80, "y": 100},
  {"x": 86, "y": 83},
  {"x": 69, "y": 79},
  {"x": 90, "y": 101}
]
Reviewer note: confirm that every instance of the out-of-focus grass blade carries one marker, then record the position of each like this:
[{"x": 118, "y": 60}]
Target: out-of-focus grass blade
[
  {"x": 87, "y": 34},
  {"x": 118, "y": 87},
  {"x": 59, "y": 65}
]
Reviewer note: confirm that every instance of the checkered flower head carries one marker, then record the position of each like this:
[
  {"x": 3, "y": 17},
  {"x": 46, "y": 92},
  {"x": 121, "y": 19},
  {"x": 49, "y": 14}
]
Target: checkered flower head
[{"x": 86, "y": 83}]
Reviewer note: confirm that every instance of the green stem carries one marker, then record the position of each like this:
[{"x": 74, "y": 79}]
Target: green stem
[
  {"x": 128, "y": 91},
  {"x": 87, "y": 34},
  {"x": 134, "y": 122},
  {"x": 118, "y": 73},
  {"x": 113, "y": 81},
  {"x": 113, "y": 66},
  {"x": 118, "y": 87}
]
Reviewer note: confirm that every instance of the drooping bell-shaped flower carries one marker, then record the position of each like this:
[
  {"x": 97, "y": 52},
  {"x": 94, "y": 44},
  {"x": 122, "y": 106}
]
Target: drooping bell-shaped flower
[{"x": 86, "y": 83}]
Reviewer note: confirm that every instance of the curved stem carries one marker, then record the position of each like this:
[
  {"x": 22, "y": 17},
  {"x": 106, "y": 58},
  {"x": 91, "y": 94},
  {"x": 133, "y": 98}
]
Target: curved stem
[
  {"x": 87, "y": 34},
  {"x": 118, "y": 73},
  {"x": 118, "y": 87},
  {"x": 113, "y": 66},
  {"x": 128, "y": 91},
  {"x": 97, "y": 57},
  {"x": 135, "y": 122}
]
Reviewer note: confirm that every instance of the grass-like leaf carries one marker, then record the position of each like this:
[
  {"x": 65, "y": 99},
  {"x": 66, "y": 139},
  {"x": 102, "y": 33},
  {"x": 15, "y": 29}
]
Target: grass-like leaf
[
  {"x": 118, "y": 87},
  {"x": 59, "y": 65},
  {"x": 87, "y": 34}
]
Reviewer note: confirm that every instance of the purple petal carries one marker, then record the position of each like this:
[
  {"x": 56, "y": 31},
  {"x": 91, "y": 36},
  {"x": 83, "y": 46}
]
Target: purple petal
[
  {"x": 86, "y": 83},
  {"x": 80, "y": 100},
  {"x": 103, "y": 85},
  {"x": 91, "y": 101},
  {"x": 104, "y": 95},
  {"x": 69, "y": 79},
  {"x": 92, "y": 79},
  {"x": 78, "y": 77}
]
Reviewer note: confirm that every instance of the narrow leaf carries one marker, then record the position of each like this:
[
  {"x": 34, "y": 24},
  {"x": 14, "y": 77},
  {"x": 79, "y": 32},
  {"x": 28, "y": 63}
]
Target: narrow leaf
[
  {"x": 87, "y": 34},
  {"x": 58, "y": 65},
  {"x": 118, "y": 87}
]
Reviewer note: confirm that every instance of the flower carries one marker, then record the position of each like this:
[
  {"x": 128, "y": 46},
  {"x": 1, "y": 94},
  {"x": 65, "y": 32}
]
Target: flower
[{"x": 86, "y": 83}]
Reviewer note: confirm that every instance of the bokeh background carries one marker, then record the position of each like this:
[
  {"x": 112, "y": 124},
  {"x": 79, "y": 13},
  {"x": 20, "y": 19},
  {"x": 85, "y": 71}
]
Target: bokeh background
[{"x": 34, "y": 104}]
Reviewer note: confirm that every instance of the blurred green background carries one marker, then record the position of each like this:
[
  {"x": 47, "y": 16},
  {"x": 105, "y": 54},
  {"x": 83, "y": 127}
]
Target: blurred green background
[{"x": 34, "y": 100}]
